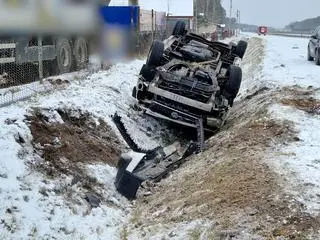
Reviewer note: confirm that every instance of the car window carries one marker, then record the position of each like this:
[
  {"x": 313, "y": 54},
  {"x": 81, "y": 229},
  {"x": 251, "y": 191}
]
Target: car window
[
  {"x": 315, "y": 32},
  {"x": 318, "y": 32}
]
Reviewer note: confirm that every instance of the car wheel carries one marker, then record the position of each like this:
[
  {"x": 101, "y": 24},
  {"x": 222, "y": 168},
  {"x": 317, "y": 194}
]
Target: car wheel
[
  {"x": 147, "y": 72},
  {"x": 64, "y": 55},
  {"x": 309, "y": 55},
  {"x": 241, "y": 48},
  {"x": 155, "y": 53},
  {"x": 179, "y": 29},
  {"x": 234, "y": 82},
  {"x": 317, "y": 57}
]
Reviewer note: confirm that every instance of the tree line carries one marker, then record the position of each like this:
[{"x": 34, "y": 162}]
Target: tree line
[{"x": 210, "y": 12}]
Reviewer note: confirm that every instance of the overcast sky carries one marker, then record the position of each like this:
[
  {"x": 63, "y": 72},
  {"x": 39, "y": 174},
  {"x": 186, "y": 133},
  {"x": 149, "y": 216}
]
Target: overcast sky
[{"x": 276, "y": 13}]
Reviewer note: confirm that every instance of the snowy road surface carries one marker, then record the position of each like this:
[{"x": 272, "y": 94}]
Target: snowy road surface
[
  {"x": 286, "y": 65},
  {"x": 30, "y": 206}
]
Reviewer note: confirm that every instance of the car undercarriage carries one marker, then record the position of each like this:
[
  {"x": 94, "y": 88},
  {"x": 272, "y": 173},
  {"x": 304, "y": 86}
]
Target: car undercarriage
[{"x": 187, "y": 77}]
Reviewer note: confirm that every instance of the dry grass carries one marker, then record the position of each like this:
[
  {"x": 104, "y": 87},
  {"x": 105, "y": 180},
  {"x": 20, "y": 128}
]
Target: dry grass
[{"x": 231, "y": 183}]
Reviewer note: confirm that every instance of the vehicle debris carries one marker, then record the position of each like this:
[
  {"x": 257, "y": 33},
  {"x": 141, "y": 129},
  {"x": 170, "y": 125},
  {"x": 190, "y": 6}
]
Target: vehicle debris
[{"x": 139, "y": 165}]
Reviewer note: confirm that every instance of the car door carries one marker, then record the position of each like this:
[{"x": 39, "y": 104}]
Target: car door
[{"x": 314, "y": 41}]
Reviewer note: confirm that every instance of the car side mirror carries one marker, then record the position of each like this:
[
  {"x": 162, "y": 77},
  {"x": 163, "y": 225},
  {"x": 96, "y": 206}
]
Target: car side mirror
[{"x": 313, "y": 36}]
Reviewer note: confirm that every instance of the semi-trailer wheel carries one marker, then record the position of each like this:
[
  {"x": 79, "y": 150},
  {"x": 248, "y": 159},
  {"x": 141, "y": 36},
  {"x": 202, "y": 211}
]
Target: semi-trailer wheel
[
  {"x": 64, "y": 55},
  {"x": 81, "y": 53}
]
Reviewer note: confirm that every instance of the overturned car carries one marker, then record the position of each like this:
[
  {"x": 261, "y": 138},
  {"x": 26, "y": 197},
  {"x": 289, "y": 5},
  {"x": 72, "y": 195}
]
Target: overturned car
[{"x": 187, "y": 78}]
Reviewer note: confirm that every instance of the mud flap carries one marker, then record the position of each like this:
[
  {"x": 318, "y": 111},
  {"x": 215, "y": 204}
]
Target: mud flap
[{"x": 127, "y": 184}]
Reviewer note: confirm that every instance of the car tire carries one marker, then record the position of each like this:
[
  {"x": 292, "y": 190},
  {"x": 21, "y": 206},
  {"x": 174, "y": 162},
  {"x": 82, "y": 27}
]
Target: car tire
[
  {"x": 134, "y": 92},
  {"x": 148, "y": 73},
  {"x": 81, "y": 54},
  {"x": 234, "y": 82},
  {"x": 317, "y": 58},
  {"x": 179, "y": 29},
  {"x": 64, "y": 55},
  {"x": 309, "y": 55},
  {"x": 241, "y": 48},
  {"x": 155, "y": 54}
]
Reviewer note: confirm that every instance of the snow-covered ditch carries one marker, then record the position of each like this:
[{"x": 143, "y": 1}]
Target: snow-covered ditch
[{"x": 36, "y": 206}]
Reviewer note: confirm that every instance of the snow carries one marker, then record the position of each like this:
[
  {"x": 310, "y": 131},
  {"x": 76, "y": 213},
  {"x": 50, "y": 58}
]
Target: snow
[
  {"x": 33, "y": 206},
  {"x": 300, "y": 162},
  {"x": 286, "y": 64}
]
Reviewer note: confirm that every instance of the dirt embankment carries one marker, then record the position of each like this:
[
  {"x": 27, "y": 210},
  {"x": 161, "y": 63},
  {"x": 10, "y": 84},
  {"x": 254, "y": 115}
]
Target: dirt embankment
[
  {"x": 230, "y": 185},
  {"x": 77, "y": 139}
]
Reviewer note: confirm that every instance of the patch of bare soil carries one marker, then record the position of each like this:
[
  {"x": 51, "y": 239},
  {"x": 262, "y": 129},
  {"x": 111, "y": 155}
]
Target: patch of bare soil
[
  {"x": 231, "y": 184},
  {"x": 302, "y": 99},
  {"x": 67, "y": 141},
  {"x": 64, "y": 146},
  {"x": 309, "y": 105},
  {"x": 58, "y": 82}
]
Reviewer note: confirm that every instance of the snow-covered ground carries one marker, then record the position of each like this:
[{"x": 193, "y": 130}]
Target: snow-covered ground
[
  {"x": 32, "y": 206},
  {"x": 286, "y": 65}
]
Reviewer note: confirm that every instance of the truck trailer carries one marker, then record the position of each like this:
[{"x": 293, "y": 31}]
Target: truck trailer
[{"x": 53, "y": 35}]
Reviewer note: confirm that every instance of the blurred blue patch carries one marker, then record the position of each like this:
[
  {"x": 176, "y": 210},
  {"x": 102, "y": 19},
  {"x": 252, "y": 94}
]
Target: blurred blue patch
[{"x": 119, "y": 27}]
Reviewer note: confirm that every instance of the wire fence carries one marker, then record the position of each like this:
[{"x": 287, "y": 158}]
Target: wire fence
[
  {"x": 18, "y": 79},
  {"x": 26, "y": 65}
]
